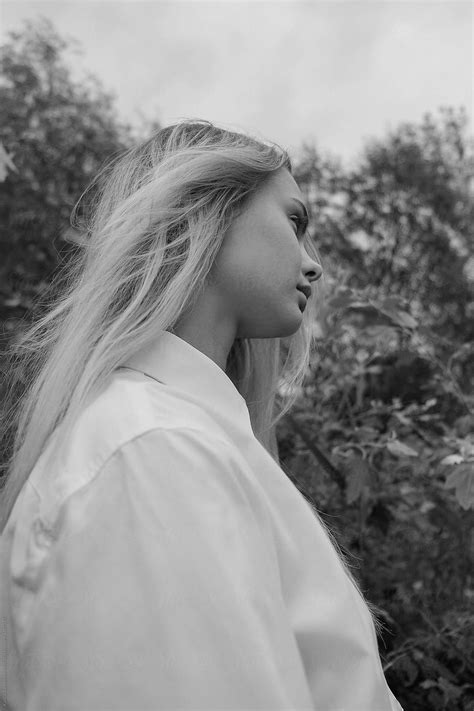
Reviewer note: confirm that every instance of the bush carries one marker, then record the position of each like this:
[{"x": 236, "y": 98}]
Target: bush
[{"x": 393, "y": 477}]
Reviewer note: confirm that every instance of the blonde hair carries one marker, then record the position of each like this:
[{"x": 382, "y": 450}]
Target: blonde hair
[{"x": 152, "y": 222}]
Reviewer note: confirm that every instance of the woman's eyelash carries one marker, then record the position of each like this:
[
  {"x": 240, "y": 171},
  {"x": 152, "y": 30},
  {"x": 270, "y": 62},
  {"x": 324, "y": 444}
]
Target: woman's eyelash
[{"x": 301, "y": 224}]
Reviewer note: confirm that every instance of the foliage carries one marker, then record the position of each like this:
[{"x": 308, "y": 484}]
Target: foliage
[
  {"x": 382, "y": 439},
  {"x": 405, "y": 217},
  {"x": 55, "y": 134},
  {"x": 389, "y": 462}
]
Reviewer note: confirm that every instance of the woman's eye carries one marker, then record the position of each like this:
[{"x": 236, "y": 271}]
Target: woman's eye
[
  {"x": 300, "y": 223},
  {"x": 296, "y": 221}
]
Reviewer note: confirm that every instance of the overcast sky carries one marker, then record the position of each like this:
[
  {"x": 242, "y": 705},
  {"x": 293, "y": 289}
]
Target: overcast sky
[{"x": 332, "y": 72}]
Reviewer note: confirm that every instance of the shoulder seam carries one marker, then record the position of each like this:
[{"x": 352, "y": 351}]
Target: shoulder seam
[
  {"x": 94, "y": 474},
  {"x": 158, "y": 429}
]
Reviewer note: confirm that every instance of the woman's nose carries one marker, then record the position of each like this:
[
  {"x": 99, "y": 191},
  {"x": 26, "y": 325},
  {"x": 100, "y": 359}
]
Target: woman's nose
[{"x": 315, "y": 272}]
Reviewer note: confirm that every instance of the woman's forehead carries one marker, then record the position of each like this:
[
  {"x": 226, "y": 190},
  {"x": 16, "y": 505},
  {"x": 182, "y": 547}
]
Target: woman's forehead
[{"x": 282, "y": 186}]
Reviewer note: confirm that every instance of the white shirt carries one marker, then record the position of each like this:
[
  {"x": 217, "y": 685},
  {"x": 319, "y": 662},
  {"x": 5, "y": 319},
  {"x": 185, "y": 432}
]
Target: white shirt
[{"x": 161, "y": 559}]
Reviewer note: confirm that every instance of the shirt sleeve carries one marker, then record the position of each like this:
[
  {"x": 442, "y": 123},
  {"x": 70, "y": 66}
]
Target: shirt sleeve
[{"x": 162, "y": 591}]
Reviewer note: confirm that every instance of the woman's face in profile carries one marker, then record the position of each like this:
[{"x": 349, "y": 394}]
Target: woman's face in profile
[{"x": 263, "y": 260}]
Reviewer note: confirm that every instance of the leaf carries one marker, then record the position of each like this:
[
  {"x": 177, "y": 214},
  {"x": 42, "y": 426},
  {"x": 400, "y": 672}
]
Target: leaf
[
  {"x": 343, "y": 299},
  {"x": 452, "y": 459},
  {"x": 6, "y": 163},
  {"x": 462, "y": 479},
  {"x": 406, "y": 319},
  {"x": 401, "y": 318},
  {"x": 390, "y": 303},
  {"x": 409, "y": 669},
  {"x": 451, "y": 692},
  {"x": 398, "y": 449},
  {"x": 361, "y": 305},
  {"x": 12, "y": 301},
  {"x": 358, "y": 479},
  {"x": 404, "y": 420}
]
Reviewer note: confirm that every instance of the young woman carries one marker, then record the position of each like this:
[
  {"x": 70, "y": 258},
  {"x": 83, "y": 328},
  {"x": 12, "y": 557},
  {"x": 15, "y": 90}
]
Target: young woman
[{"x": 154, "y": 555}]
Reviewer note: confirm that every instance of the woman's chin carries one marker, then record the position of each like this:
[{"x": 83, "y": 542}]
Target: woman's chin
[
  {"x": 292, "y": 324},
  {"x": 273, "y": 326}
]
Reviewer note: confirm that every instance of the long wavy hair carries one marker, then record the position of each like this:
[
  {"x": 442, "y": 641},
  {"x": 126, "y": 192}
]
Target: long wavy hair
[{"x": 152, "y": 223}]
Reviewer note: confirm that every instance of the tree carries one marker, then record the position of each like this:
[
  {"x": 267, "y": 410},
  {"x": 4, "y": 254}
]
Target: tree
[
  {"x": 382, "y": 442},
  {"x": 404, "y": 216},
  {"x": 56, "y": 132}
]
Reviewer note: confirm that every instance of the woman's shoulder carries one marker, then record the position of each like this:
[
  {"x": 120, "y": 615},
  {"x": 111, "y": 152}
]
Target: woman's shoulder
[
  {"x": 127, "y": 409},
  {"x": 130, "y": 405},
  {"x": 136, "y": 403}
]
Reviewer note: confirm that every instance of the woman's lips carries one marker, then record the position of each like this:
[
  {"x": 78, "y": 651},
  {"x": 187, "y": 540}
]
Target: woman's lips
[{"x": 303, "y": 299}]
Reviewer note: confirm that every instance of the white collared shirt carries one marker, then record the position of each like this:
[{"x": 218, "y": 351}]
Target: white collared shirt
[{"x": 160, "y": 559}]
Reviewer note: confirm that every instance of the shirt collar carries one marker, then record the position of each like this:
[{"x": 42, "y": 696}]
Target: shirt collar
[{"x": 173, "y": 361}]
